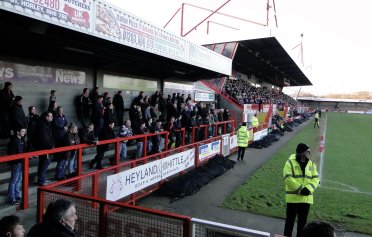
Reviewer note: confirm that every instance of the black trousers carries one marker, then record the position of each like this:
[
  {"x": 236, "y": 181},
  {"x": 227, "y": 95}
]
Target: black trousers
[
  {"x": 296, "y": 209},
  {"x": 241, "y": 151}
]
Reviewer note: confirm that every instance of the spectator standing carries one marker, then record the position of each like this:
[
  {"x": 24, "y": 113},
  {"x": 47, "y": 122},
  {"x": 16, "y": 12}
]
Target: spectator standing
[
  {"x": 11, "y": 226},
  {"x": 88, "y": 136},
  {"x": 32, "y": 120},
  {"x": 243, "y": 138},
  {"x": 52, "y": 107},
  {"x": 94, "y": 96},
  {"x": 118, "y": 103},
  {"x": 72, "y": 139},
  {"x": 43, "y": 140},
  {"x": 52, "y": 96},
  {"x": 301, "y": 179},
  {"x": 140, "y": 141},
  {"x": 84, "y": 108},
  {"x": 17, "y": 115},
  {"x": 97, "y": 115},
  {"x": 124, "y": 131},
  {"x": 156, "y": 128},
  {"x": 106, "y": 134},
  {"x": 109, "y": 114},
  {"x": 58, "y": 221},
  {"x": 16, "y": 145},
  {"x": 6, "y": 99}
]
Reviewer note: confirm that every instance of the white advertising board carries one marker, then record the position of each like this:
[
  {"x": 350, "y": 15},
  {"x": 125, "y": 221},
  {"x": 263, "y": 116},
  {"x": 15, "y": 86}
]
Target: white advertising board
[
  {"x": 233, "y": 141},
  {"x": 130, "y": 181},
  {"x": 208, "y": 150}
]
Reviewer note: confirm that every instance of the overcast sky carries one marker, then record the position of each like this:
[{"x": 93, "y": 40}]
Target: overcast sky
[{"x": 337, "y": 34}]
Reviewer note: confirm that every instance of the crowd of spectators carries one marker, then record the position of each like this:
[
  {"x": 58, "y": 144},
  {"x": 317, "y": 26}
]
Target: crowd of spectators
[
  {"x": 244, "y": 93},
  {"x": 98, "y": 115}
]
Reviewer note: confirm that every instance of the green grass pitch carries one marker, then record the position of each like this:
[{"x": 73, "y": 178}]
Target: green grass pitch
[{"x": 345, "y": 194}]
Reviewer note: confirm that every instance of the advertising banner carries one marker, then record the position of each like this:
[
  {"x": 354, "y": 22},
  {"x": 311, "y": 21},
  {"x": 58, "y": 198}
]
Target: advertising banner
[
  {"x": 226, "y": 144},
  {"x": 38, "y": 74},
  {"x": 204, "y": 97},
  {"x": 208, "y": 150},
  {"x": 130, "y": 181},
  {"x": 76, "y": 13},
  {"x": 233, "y": 141},
  {"x": 103, "y": 20}
]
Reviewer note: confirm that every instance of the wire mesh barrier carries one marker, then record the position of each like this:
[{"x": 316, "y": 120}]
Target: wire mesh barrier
[
  {"x": 117, "y": 219},
  {"x": 98, "y": 216}
]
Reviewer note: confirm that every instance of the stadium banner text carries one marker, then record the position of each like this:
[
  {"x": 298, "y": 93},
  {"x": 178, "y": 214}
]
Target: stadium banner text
[
  {"x": 101, "y": 19},
  {"x": 130, "y": 181},
  {"x": 38, "y": 74}
]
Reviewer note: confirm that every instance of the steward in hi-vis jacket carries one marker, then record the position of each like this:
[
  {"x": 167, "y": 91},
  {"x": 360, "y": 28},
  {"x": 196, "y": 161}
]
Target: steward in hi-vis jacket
[
  {"x": 243, "y": 137},
  {"x": 301, "y": 179}
]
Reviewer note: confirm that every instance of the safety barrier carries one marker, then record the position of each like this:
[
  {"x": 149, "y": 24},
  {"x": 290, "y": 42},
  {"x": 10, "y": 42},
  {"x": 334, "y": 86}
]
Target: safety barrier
[
  {"x": 108, "y": 218},
  {"x": 25, "y": 157}
]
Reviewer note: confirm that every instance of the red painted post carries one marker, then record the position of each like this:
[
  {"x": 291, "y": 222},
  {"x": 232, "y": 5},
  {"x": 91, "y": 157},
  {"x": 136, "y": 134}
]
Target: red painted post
[
  {"x": 40, "y": 205},
  {"x": 193, "y": 134},
  {"x": 25, "y": 168},
  {"x": 79, "y": 167},
  {"x": 102, "y": 228},
  {"x": 95, "y": 188}
]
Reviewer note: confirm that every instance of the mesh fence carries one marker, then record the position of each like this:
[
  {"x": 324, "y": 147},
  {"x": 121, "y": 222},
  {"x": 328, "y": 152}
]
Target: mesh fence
[{"x": 115, "y": 220}]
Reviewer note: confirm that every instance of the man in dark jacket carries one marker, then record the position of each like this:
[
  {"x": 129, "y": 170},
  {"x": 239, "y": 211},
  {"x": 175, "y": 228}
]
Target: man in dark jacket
[
  {"x": 6, "y": 99},
  {"x": 118, "y": 103},
  {"x": 17, "y": 115},
  {"x": 58, "y": 221},
  {"x": 106, "y": 134},
  {"x": 16, "y": 145},
  {"x": 43, "y": 140},
  {"x": 32, "y": 120}
]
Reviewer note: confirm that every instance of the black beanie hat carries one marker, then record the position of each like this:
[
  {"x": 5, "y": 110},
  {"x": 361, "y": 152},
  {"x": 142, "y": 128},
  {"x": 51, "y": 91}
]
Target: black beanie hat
[{"x": 301, "y": 148}]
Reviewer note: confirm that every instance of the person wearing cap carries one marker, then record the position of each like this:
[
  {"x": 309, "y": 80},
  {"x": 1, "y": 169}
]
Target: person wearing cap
[
  {"x": 301, "y": 180},
  {"x": 243, "y": 138}
]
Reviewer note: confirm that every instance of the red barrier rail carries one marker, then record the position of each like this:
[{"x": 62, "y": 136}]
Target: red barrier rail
[{"x": 26, "y": 156}]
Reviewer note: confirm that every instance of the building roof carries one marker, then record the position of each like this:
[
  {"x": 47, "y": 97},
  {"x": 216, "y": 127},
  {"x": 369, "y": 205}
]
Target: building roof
[
  {"x": 33, "y": 39},
  {"x": 267, "y": 60}
]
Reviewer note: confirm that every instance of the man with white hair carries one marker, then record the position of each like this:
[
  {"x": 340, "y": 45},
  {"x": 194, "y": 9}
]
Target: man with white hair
[{"x": 58, "y": 221}]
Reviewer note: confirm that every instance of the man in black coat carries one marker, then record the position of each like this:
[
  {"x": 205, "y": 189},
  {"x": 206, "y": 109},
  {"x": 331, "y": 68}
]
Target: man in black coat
[
  {"x": 106, "y": 134},
  {"x": 6, "y": 99},
  {"x": 118, "y": 103},
  {"x": 16, "y": 145},
  {"x": 58, "y": 221},
  {"x": 17, "y": 115},
  {"x": 43, "y": 140}
]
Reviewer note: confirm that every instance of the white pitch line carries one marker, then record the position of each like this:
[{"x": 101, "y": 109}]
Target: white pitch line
[{"x": 322, "y": 153}]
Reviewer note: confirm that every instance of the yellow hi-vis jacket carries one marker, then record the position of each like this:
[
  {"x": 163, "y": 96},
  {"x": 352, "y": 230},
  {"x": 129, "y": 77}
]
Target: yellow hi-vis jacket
[
  {"x": 243, "y": 136},
  {"x": 295, "y": 181},
  {"x": 255, "y": 121}
]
